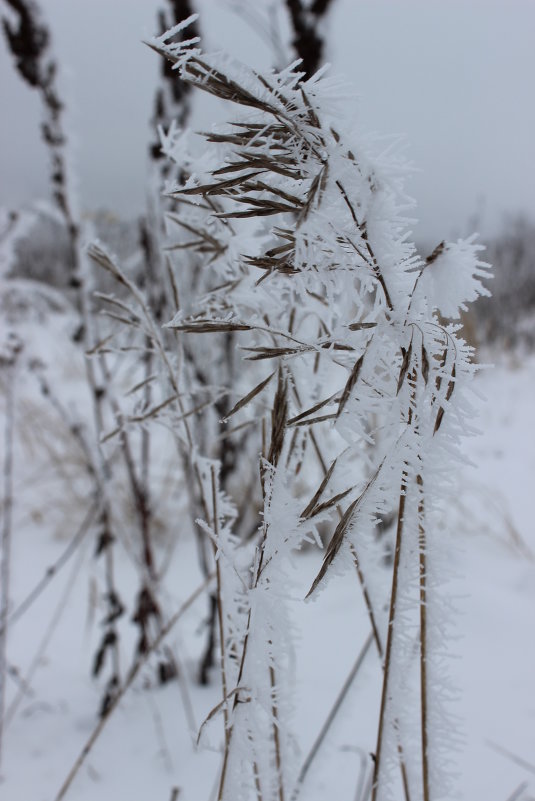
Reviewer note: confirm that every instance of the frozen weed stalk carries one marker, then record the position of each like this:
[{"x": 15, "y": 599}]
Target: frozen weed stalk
[{"x": 316, "y": 272}]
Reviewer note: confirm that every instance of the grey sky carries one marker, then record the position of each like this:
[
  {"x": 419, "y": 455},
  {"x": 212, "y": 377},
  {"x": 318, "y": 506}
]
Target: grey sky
[{"x": 456, "y": 78}]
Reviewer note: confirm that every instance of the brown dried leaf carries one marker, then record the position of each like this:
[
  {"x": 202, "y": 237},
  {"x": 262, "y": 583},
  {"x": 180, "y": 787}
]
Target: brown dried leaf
[
  {"x": 313, "y": 420},
  {"x": 273, "y": 353},
  {"x": 361, "y": 326},
  {"x": 315, "y": 185},
  {"x": 404, "y": 366},
  {"x": 293, "y": 420},
  {"x": 334, "y": 545},
  {"x": 322, "y": 507},
  {"x": 438, "y": 379},
  {"x": 425, "y": 364},
  {"x": 209, "y": 327},
  {"x": 350, "y": 383},
  {"x": 258, "y": 212},
  {"x": 260, "y": 186},
  {"x": 438, "y": 251},
  {"x": 449, "y": 393},
  {"x": 312, "y": 116},
  {"x": 288, "y": 246},
  {"x": 218, "y": 708},
  {"x": 339, "y": 533},
  {"x": 319, "y": 492},
  {"x": 279, "y": 416},
  {"x": 250, "y": 395},
  {"x": 216, "y": 188}
]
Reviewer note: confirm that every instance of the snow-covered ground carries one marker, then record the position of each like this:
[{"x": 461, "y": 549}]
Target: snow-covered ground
[{"x": 147, "y": 747}]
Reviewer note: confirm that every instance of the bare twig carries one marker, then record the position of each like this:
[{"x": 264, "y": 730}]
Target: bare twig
[
  {"x": 97, "y": 731},
  {"x": 510, "y": 755},
  {"x": 31, "y": 46},
  {"x": 331, "y": 716},
  {"x": 53, "y": 570},
  {"x": 518, "y": 792},
  {"x": 14, "y": 348},
  {"x": 219, "y": 603},
  {"x": 47, "y": 636}
]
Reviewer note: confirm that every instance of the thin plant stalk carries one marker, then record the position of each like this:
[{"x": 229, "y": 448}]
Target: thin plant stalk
[
  {"x": 153, "y": 331},
  {"x": 31, "y": 47},
  {"x": 137, "y": 485},
  {"x": 276, "y": 738},
  {"x": 329, "y": 720},
  {"x": 53, "y": 570},
  {"x": 219, "y": 602},
  {"x": 97, "y": 731},
  {"x": 7, "y": 523},
  {"x": 390, "y": 638},
  {"x": 423, "y": 640},
  {"x": 47, "y": 636}
]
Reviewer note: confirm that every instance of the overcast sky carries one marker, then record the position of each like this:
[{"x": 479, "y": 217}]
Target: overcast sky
[{"x": 455, "y": 78}]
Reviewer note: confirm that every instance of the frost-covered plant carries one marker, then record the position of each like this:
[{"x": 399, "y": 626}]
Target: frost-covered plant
[
  {"x": 332, "y": 291},
  {"x": 333, "y": 285},
  {"x": 175, "y": 272},
  {"x": 30, "y": 42}
]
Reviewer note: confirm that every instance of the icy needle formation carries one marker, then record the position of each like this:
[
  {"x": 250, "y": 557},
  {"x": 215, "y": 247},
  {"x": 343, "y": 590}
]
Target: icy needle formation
[{"x": 362, "y": 365}]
